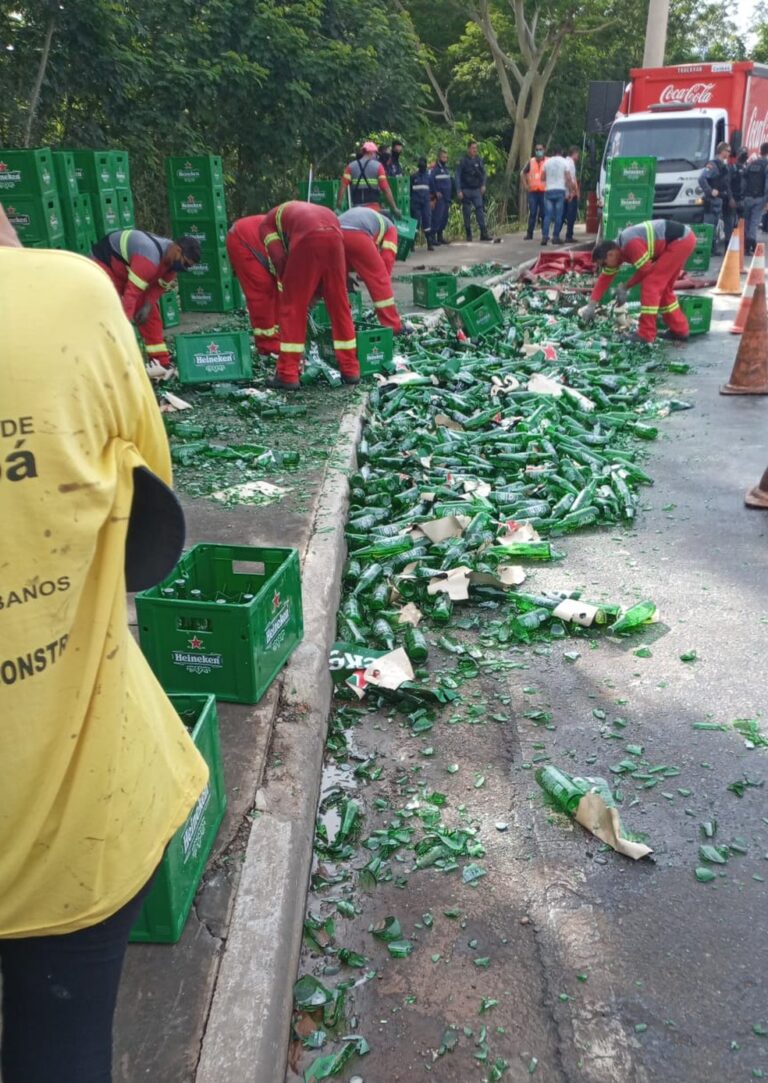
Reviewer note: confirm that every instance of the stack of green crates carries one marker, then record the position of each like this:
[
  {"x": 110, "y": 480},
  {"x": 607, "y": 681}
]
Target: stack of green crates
[
  {"x": 29, "y": 195},
  {"x": 76, "y": 207},
  {"x": 629, "y": 193},
  {"x": 323, "y": 193},
  {"x": 702, "y": 253},
  {"x": 198, "y": 209},
  {"x": 104, "y": 176}
]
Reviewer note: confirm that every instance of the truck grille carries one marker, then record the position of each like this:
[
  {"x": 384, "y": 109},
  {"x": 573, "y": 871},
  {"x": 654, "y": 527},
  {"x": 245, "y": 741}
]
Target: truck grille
[{"x": 666, "y": 193}]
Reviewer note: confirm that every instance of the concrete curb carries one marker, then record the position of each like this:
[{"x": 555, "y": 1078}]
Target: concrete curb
[{"x": 247, "y": 1033}]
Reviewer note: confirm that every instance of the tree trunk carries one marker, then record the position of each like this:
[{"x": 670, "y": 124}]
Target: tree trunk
[{"x": 34, "y": 98}]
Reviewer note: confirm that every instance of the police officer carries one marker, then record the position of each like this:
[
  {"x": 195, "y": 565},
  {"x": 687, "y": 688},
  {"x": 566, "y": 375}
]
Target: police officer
[
  {"x": 736, "y": 187},
  {"x": 755, "y": 189},
  {"x": 421, "y": 205},
  {"x": 714, "y": 182},
  {"x": 442, "y": 187},
  {"x": 470, "y": 185}
]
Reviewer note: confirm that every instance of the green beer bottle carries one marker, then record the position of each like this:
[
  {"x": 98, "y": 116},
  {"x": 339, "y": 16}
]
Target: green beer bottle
[
  {"x": 416, "y": 646},
  {"x": 634, "y": 617},
  {"x": 565, "y": 791}
]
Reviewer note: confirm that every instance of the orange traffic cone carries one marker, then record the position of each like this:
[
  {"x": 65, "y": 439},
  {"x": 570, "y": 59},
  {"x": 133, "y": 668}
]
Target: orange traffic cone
[
  {"x": 754, "y": 278},
  {"x": 757, "y": 497},
  {"x": 728, "y": 280},
  {"x": 742, "y": 245},
  {"x": 750, "y": 369}
]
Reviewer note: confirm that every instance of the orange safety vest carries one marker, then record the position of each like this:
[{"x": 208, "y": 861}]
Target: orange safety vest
[{"x": 535, "y": 178}]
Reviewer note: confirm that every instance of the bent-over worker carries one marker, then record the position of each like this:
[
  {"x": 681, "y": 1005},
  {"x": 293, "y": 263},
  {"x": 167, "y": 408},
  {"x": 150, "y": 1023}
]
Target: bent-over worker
[
  {"x": 370, "y": 247},
  {"x": 250, "y": 263}
]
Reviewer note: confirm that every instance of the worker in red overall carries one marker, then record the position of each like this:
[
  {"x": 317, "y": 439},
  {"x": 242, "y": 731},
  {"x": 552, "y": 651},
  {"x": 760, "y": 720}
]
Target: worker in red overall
[
  {"x": 658, "y": 250},
  {"x": 304, "y": 244},
  {"x": 250, "y": 263},
  {"x": 142, "y": 267},
  {"x": 370, "y": 247}
]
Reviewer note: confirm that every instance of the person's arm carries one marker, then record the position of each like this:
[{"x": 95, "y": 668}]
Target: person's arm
[
  {"x": 603, "y": 284},
  {"x": 142, "y": 272},
  {"x": 636, "y": 252},
  {"x": 704, "y": 183},
  {"x": 273, "y": 245},
  {"x": 346, "y": 180},
  {"x": 384, "y": 187},
  {"x": 525, "y": 175}
]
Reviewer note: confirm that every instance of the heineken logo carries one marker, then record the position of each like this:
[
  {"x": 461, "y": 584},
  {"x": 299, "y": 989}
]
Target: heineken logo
[
  {"x": 202, "y": 296},
  {"x": 8, "y": 176},
  {"x": 376, "y": 355},
  {"x": 633, "y": 171},
  {"x": 197, "y": 661},
  {"x": 272, "y": 634},
  {"x": 17, "y": 218},
  {"x": 276, "y": 599},
  {"x": 194, "y": 828},
  {"x": 191, "y": 203},
  {"x": 214, "y": 359},
  {"x": 631, "y": 202},
  {"x": 343, "y": 659}
]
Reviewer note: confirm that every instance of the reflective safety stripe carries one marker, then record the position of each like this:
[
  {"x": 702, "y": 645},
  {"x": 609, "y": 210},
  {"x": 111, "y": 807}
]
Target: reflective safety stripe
[
  {"x": 164, "y": 284},
  {"x": 642, "y": 261},
  {"x": 291, "y": 347},
  {"x": 279, "y": 222},
  {"x": 159, "y": 348},
  {"x": 670, "y": 308},
  {"x": 124, "y": 238},
  {"x": 650, "y": 238},
  {"x": 390, "y": 246},
  {"x": 419, "y": 187},
  {"x": 648, "y": 310},
  {"x": 610, "y": 271},
  {"x": 383, "y": 227},
  {"x": 270, "y": 237},
  {"x": 384, "y": 304},
  {"x": 134, "y": 278},
  {"x": 348, "y": 344},
  {"x": 266, "y": 332}
]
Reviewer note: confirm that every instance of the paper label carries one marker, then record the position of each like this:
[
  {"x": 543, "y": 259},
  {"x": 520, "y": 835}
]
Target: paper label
[{"x": 576, "y": 612}]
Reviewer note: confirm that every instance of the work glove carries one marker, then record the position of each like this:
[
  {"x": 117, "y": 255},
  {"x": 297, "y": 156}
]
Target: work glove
[
  {"x": 621, "y": 295},
  {"x": 588, "y": 312},
  {"x": 397, "y": 212},
  {"x": 142, "y": 314}
]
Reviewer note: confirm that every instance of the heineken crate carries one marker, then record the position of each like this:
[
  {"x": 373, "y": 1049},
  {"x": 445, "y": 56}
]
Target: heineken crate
[
  {"x": 66, "y": 177},
  {"x": 212, "y": 236},
  {"x": 475, "y": 311},
  {"x": 36, "y": 219},
  {"x": 407, "y": 228},
  {"x": 233, "y": 648},
  {"x": 205, "y": 294},
  {"x": 86, "y": 213},
  {"x": 121, "y": 169},
  {"x": 72, "y": 214},
  {"x": 191, "y": 204},
  {"x": 434, "y": 290},
  {"x": 375, "y": 347},
  {"x": 613, "y": 224},
  {"x": 164, "y": 912},
  {"x": 170, "y": 311},
  {"x": 628, "y": 201},
  {"x": 324, "y": 192},
  {"x": 212, "y": 265},
  {"x": 220, "y": 357},
  {"x": 94, "y": 170},
  {"x": 196, "y": 170},
  {"x": 401, "y": 192},
  {"x": 319, "y": 312},
  {"x": 106, "y": 214},
  {"x": 705, "y": 232},
  {"x": 640, "y": 172},
  {"x": 700, "y": 257},
  {"x": 26, "y": 173},
  {"x": 698, "y": 312},
  {"x": 125, "y": 208}
]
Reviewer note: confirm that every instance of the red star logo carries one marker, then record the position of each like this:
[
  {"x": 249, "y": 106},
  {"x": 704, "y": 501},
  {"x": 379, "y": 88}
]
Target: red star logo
[
  {"x": 213, "y": 347},
  {"x": 195, "y": 644},
  {"x": 3, "y": 167},
  {"x": 276, "y": 599},
  {"x": 190, "y": 198},
  {"x": 11, "y": 211},
  {"x": 187, "y": 165}
]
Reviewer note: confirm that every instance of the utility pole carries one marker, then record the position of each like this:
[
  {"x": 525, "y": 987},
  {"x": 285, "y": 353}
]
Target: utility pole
[{"x": 656, "y": 33}]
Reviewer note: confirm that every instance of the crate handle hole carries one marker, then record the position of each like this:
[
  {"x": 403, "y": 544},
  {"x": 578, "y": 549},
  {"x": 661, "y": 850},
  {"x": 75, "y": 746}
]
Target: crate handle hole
[{"x": 248, "y": 567}]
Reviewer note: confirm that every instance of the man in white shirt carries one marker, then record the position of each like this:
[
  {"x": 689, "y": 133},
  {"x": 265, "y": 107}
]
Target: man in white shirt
[
  {"x": 558, "y": 184},
  {"x": 572, "y": 200}
]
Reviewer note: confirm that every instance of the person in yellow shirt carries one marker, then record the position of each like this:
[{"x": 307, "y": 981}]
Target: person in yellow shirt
[{"x": 98, "y": 771}]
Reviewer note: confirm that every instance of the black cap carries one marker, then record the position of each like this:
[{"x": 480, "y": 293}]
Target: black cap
[
  {"x": 190, "y": 248},
  {"x": 156, "y": 532}
]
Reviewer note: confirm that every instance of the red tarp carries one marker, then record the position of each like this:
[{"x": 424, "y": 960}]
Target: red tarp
[{"x": 551, "y": 265}]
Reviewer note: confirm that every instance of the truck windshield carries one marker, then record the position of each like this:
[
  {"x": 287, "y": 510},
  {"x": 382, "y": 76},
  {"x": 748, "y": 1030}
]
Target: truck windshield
[{"x": 682, "y": 143}]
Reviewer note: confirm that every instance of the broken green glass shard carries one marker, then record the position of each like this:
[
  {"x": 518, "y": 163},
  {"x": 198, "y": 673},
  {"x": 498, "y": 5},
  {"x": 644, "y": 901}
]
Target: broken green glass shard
[
  {"x": 309, "y": 993},
  {"x": 689, "y": 656},
  {"x": 400, "y": 949},
  {"x": 387, "y": 929},
  {"x": 704, "y": 876}
]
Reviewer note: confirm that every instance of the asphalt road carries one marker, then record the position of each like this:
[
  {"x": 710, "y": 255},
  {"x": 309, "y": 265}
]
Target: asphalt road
[{"x": 603, "y": 970}]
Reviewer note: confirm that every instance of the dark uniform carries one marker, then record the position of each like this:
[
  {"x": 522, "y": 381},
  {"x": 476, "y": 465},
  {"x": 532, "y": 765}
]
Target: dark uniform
[
  {"x": 442, "y": 186},
  {"x": 714, "y": 178},
  {"x": 755, "y": 197},
  {"x": 421, "y": 204}
]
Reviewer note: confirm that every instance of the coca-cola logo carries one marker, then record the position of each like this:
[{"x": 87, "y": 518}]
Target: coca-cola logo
[
  {"x": 757, "y": 130},
  {"x": 695, "y": 94}
]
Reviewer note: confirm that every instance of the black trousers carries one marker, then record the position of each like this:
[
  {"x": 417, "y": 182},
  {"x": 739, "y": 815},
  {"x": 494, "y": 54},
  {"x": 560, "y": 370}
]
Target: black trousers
[{"x": 59, "y": 995}]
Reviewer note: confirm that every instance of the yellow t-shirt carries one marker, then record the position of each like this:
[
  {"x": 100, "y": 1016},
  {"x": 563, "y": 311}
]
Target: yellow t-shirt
[{"x": 97, "y": 771}]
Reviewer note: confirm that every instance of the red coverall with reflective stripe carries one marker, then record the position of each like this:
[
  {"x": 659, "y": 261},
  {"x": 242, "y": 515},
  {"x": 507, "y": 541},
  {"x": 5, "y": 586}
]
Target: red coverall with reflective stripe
[
  {"x": 305, "y": 245},
  {"x": 372, "y": 258},
  {"x": 138, "y": 282},
  {"x": 657, "y": 268},
  {"x": 244, "y": 247}
]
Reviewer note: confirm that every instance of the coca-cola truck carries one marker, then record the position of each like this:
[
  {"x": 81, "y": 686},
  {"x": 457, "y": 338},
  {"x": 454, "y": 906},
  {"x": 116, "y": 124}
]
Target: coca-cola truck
[{"x": 679, "y": 115}]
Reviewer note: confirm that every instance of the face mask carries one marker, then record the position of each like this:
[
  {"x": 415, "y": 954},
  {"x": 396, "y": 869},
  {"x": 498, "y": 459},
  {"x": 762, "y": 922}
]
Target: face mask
[
  {"x": 539, "y": 153},
  {"x": 179, "y": 265}
]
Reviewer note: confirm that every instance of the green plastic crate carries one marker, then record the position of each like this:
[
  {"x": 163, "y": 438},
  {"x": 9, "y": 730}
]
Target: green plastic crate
[
  {"x": 121, "y": 169},
  {"x": 106, "y": 211},
  {"x": 212, "y": 265},
  {"x": 324, "y": 192},
  {"x": 640, "y": 172},
  {"x": 232, "y": 650},
  {"x": 401, "y": 193},
  {"x": 211, "y": 235},
  {"x": 66, "y": 177},
  {"x": 700, "y": 258},
  {"x": 36, "y": 219},
  {"x": 197, "y": 170},
  {"x": 218, "y": 357},
  {"x": 191, "y": 204},
  {"x": 165, "y": 910},
  {"x": 475, "y": 311},
  {"x": 125, "y": 208},
  {"x": 698, "y": 311},
  {"x": 94, "y": 170},
  {"x": 613, "y": 224},
  {"x": 86, "y": 213},
  {"x": 319, "y": 312},
  {"x": 375, "y": 348},
  {"x": 630, "y": 201},
  {"x": 26, "y": 173},
  {"x": 170, "y": 310},
  {"x": 407, "y": 228},
  {"x": 205, "y": 294},
  {"x": 434, "y": 290},
  {"x": 705, "y": 232}
]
